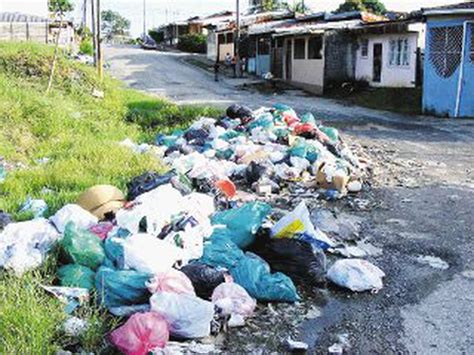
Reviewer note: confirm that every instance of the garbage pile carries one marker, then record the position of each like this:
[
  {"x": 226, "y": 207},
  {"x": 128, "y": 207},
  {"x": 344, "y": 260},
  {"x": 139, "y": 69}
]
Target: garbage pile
[{"x": 186, "y": 254}]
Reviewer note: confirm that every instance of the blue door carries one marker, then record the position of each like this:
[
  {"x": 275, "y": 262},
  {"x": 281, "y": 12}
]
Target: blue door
[{"x": 466, "y": 94}]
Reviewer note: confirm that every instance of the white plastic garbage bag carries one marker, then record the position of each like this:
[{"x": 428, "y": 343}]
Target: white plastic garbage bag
[
  {"x": 200, "y": 206},
  {"x": 157, "y": 206},
  {"x": 231, "y": 299},
  {"x": 73, "y": 213},
  {"x": 23, "y": 246},
  {"x": 357, "y": 275},
  {"x": 297, "y": 222},
  {"x": 188, "y": 316},
  {"x": 145, "y": 253}
]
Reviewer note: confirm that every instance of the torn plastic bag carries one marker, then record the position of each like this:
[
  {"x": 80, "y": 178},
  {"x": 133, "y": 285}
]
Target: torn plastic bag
[
  {"x": 73, "y": 213},
  {"x": 300, "y": 260},
  {"x": 147, "y": 182},
  {"x": 116, "y": 288},
  {"x": 72, "y": 297},
  {"x": 243, "y": 222},
  {"x": 141, "y": 334},
  {"x": 82, "y": 247},
  {"x": 24, "y": 245},
  {"x": 221, "y": 251},
  {"x": 253, "y": 274},
  {"x": 204, "y": 278},
  {"x": 145, "y": 253},
  {"x": 357, "y": 275},
  {"x": 231, "y": 298},
  {"x": 157, "y": 208},
  {"x": 75, "y": 275},
  {"x": 297, "y": 222},
  {"x": 188, "y": 316},
  {"x": 172, "y": 281}
]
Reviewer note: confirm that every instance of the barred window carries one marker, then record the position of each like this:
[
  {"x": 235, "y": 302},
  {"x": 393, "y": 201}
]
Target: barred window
[
  {"x": 364, "y": 48},
  {"x": 400, "y": 52},
  {"x": 445, "y": 45}
]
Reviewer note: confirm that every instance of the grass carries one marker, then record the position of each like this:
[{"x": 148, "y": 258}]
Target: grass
[
  {"x": 79, "y": 134},
  {"x": 400, "y": 100}
]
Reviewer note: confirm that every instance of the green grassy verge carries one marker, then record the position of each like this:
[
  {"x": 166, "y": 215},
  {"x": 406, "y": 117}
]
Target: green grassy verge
[{"x": 79, "y": 134}]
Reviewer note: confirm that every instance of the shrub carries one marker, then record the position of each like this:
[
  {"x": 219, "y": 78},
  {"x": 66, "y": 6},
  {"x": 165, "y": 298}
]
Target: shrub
[
  {"x": 157, "y": 36},
  {"x": 193, "y": 43},
  {"x": 86, "y": 46}
]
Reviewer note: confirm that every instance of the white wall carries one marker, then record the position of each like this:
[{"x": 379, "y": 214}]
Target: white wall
[
  {"x": 29, "y": 7},
  {"x": 308, "y": 73},
  {"x": 224, "y": 49},
  {"x": 392, "y": 76},
  {"x": 212, "y": 46}
]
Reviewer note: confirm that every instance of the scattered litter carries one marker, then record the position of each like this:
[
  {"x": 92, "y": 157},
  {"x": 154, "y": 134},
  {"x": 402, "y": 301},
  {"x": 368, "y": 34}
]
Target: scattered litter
[
  {"x": 75, "y": 327},
  {"x": 73, "y": 213},
  {"x": 5, "y": 219},
  {"x": 232, "y": 299},
  {"x": 37, "y": 207},
  {"x": 293, "y": 345},
  {"x": 357, "y": 275},
  {"x": 72, "y": 297},
  {"x": 433, "y": 261}
]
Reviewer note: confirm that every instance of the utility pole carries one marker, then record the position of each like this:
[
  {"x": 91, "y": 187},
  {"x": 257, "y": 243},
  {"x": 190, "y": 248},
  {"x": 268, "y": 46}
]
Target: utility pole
[
  {"x": 144, "y": 19},
  {"x": 94, "y": 31},
  {"x": 99, "y": 44},
  {"x": 84, "y": 14},
  {"x": 237, "y": 39}
]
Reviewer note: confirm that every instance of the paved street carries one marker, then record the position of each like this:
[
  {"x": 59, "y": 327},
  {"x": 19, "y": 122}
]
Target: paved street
[{"x": 424, "y": 183}]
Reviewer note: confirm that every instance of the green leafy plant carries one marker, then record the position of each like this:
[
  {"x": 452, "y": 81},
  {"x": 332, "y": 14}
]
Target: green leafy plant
[
  {"x": 374, "y": 6},
  {"x": 193, "y": 43}
]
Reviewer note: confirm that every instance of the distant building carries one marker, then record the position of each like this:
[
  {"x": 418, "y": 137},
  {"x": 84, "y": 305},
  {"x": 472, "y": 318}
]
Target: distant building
[
  {"x": 448, "y": 89},
  {"x": 15, "y": 26}
]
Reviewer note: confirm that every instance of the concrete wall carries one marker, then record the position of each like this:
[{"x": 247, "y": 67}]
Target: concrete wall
[
  {"x": 392, "y": 75},
  {"x": 340, "y": 52},
  {"x": 21, "y": 31},
  {"x": 212, "y": 46},
  {"x": 224, "y": 49}
]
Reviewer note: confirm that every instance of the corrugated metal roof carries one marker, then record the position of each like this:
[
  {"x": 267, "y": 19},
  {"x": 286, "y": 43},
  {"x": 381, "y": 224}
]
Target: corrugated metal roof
[
  {"x": 318, "y": 27},
  {"x": 268, "y": 27},
  {"x": 461, "y": 8},
  {"x": 19, "y": 17}
]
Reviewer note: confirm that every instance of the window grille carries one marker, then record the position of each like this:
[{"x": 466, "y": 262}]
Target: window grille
[
  {"x": 445, "y": 44},
  {"x": 364, "y": 48},
  {"x": 400, "y": 52}
]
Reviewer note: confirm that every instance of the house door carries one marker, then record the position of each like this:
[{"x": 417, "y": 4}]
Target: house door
[
  {"x": 377, "y": 65},
  {"x": 288, "y": 59},
  {"x": 465, "y": 102}
]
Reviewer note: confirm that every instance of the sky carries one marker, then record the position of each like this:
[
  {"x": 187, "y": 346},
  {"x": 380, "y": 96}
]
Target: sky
[{"x": 163, "y": 11}]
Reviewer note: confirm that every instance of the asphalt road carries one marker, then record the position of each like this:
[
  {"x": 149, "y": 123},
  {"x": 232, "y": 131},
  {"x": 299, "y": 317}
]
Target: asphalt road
[{"x": 424, "y": 186}]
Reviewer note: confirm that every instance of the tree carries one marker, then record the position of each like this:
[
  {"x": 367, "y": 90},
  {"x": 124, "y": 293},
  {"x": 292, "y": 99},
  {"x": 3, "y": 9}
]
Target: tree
[
  {"x": 374, "y": 6},
  {"x": 59, "y": 8},
  {"x": 298, "y": 7},
  {"x": 114, "y": 24}
]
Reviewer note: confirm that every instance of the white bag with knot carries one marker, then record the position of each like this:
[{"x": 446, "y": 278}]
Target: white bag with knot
[
  {"x": 357, "y": 275},
  {"x": 188, "y": 316},
  {"x": 233, "y": 299}
]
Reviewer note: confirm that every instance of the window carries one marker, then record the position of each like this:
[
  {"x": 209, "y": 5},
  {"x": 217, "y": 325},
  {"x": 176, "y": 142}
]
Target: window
[
  {"x": 279, "y": 43},
  {"x": 400, "y": 52},
  {"x": 221, "y": 39},
  {"x": 264, "y": 46},
  {"x": 300, "y": 48},
  {"x": 315, "y": 48},
  {"x": 445, "y": 47},
  {"x": 364, "y": 48},
  {"x": 229, "y": 38}
]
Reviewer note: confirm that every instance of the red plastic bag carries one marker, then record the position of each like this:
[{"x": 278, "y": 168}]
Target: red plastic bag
[
  {"x": 227, "y": 187},
  {"x": 102, "y": 229},
  {"x": 142, "y": 333},
  {"x": 304, "y": 128},
  {"x": 172, "y": 281}
]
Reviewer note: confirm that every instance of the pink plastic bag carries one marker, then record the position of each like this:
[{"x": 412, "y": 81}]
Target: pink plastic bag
[
  {"x": 102, "y": 229},
  {"x": 142, "y": 333},
  {"x": 233, "y": 299},
  {"x": 173, "y": 281}
]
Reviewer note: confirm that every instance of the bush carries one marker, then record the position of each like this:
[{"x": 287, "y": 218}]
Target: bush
[
  {"x": 193, "y": 43},
  {"x": 86, "y": 47},
  {"x": 157, "y": 36}
]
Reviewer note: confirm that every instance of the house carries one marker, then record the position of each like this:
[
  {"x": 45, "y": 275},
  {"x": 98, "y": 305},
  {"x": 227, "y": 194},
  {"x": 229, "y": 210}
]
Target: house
[
  {"x": 320, "y": 49},
  {"x": 448, "y": 88},
  {"x": 389, "y": 53},
  {"x": 67, "y": 34},
  {"x": 15, "y": 26}
]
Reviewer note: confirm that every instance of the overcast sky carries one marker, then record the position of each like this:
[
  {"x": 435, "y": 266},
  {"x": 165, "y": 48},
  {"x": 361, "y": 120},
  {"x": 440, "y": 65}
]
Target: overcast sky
[{"x": 162, "y": 11}]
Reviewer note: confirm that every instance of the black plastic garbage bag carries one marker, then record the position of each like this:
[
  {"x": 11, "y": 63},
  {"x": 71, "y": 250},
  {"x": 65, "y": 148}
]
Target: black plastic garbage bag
[
  {"x": 237, "y": 111},
  {"x": 147, "y": 182},
  {"x": 5, "y": 219},
  {"x": 300, "y": 260},
  {"x": 204, "y": 278},
  {"x": 196, "y": 135},
  {"x": 254, "y": 172}
]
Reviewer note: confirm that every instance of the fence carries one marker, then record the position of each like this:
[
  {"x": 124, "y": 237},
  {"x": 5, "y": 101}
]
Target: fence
[{"x": 24, "y": 31}]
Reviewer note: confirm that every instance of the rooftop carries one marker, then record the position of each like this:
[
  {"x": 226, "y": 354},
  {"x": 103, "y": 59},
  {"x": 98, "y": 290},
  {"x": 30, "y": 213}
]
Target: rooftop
[{"x": 19, "y": 17}]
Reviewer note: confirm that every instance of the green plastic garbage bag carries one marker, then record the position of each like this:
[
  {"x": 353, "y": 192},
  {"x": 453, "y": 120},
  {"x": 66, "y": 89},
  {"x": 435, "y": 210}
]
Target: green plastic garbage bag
[
  {"x": 308, "y": 118},
  {"x": 221, "y": 251},
  {"x": 75, "y": 275},
  {"x": 331, "y": 132},
  {"x": 230, "y": 134},
  {"x": 253, "y": 274},
  {"x": 116, "y": 288},
  {"x": 264, "y": 121},
  {"x": 243, "y": 222},
  {"x": 114, "y": 249},
  {"x": 82, "y": 247}
]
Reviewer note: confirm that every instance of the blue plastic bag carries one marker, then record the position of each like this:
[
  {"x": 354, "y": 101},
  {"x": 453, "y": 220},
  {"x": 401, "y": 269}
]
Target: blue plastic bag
[
  {"x": 221, "y": 251},
  {"x": 243, "y": 222},
  {"x": 116, "y": 288},
  {"x": 253, "y": 274}
]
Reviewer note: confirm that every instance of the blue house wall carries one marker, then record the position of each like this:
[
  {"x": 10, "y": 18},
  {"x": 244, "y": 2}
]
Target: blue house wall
[{"x": 440, "y": 93}]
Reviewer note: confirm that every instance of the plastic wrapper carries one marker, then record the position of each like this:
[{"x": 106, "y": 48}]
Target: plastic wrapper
[
  {"x": 172, "y": 281},
  {"x": 357, "y": 275},
  {"x": 73, "y": 213},
  {"x": 232, "y": 298}
]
